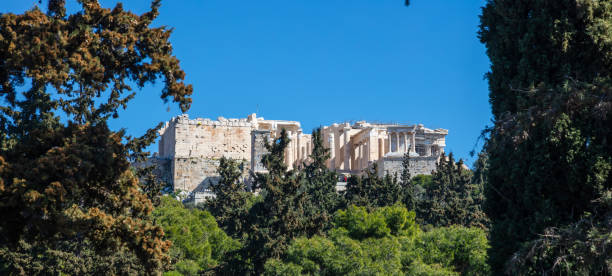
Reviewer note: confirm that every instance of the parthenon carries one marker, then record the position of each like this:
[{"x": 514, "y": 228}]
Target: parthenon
[{"x": 189, "y": 149}]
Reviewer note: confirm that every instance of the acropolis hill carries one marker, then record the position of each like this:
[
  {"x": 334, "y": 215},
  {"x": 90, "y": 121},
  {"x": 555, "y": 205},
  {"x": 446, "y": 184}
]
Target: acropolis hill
[{"x": 190, "y": 149}]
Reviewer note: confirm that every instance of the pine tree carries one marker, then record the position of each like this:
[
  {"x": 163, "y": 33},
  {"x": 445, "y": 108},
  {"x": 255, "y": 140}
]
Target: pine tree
[{"x": 69, "y": 200}]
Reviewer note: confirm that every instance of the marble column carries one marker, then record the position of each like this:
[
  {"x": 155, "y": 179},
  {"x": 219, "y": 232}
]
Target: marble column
[
  {"x": 298, "y": 147},
  {"x": 413, "y": 143},
  {"x": 389, "y": 140},
  {"x": 366, "y": 148},
  {"x": 347, "y": 150},
  {"x": 397, "y": 144},
  {"x": 357, "y": 156},
  {"x": 381, "y": 148},
  {"x": 332, "y": 151},
  {"x": 405, "y": 142},
  {"x": 289, "y": 152}
]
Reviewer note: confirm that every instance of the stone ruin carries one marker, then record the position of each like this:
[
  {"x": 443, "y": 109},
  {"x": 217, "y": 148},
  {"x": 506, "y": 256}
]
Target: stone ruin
[
  {"x": 190, "y": 149},
  {"x": 357, "y": 147}
]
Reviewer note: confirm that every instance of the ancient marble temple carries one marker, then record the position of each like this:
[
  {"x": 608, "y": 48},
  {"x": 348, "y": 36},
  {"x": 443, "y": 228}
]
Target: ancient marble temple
[
  {"x": 358, "y": 146},
  {"x": 190, "y": 149}
]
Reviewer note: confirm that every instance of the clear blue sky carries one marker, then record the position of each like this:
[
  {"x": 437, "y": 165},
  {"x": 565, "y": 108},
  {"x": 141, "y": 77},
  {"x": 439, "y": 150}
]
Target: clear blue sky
[{"x": 322, "y": 61}]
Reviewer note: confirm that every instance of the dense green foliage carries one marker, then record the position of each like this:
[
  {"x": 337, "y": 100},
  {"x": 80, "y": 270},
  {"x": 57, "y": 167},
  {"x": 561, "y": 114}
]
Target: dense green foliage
[
  {"x": 371, "y": 190},
  {"x": 198, "y": 244},
  {"x": 385, "y": 241},
  {"x": 319, "y": 184},
  {"x": 294, "y": 203},
  {"x": 452, "y": 198},
  {"x": 69, "y": 200},
  {"x": 72, "y": 187},
  {"x": 231, "y": 203},
  {"x": 550, "y": 156},
  {"x": 72, "y": 204},
  {"x": 289, "y": 230},
  {"x": 543, "y": 42},
  {"x": 581, "y": 248}
]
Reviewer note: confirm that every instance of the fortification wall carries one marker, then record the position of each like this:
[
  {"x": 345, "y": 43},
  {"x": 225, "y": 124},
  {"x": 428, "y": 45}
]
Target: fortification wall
[
  {"x": 417, "y": 165},
  {"x": 259, "y": 138},
  {"x": 196, "y": 174},
  {"x": 167, "y": 140},
  {"x": 213, "y": 139},
  {"x": 192, "y": 148}
]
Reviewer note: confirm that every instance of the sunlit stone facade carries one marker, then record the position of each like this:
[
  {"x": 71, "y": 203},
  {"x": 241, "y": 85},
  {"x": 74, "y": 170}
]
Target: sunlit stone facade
[
  {"x": 190, "y": 149},
  {"x": 355, "y": 147}
]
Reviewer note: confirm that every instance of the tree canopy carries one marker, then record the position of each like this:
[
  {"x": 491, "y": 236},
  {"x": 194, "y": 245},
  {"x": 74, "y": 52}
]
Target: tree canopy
[
  {"x": 70, "y": 201},
  {"x": 385, "y": 241},
  {"x": 550, "y": 156},
  {"x": 198, "y": 244},
  {"x": 231, "y": 203}
]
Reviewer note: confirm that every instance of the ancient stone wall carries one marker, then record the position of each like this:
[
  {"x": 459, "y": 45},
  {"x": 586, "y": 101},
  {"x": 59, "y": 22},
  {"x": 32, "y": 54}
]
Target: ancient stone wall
[
  {"x": 193, "y": 147},
  {"x": 356, "y": 147},
  {"x": 190, "y": 149},
  {"x": 417, "y": 165},
  {"x": 258, "y": 140},
  {"x": 206, "y": 138},
  {"x": 196, "y": 174},
  {"x": 167, "y": 140}
]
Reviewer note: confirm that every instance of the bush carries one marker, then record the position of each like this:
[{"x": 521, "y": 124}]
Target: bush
[{"x": 464, "y": 249}]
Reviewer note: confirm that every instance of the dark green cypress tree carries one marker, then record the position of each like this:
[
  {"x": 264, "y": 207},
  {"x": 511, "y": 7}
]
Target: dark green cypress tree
[
  {"x": 449, "y": 199},
  {"x": 477, "y": 194},
  {"x": 408, "y": 188},
  {"x": 273, "y": 222},
  {"x": 435, "y": 204},
  {"x": 370, "y": 190},
  {"x": 320, "y": 186},
  {"x": 549, "y": 149},
  {"x": 231, "y": 203},
  {"x": 356, "y": 192}
]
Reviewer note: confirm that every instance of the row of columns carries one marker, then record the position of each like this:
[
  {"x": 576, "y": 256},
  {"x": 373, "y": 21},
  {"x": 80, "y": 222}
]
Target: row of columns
[
  {"x": 289, "y": 152},
  {"x": 397, "y": 141},
  {"x": 295, "y": 151},
  {"x": 362, "y": 154},
  {"x": 350, "y": 157}
]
